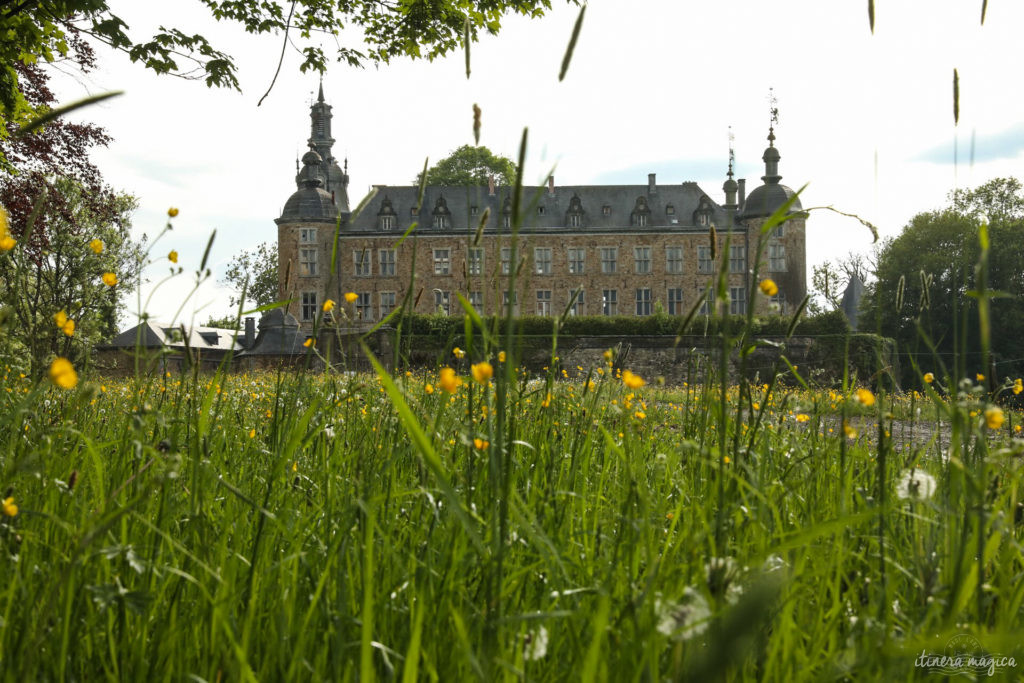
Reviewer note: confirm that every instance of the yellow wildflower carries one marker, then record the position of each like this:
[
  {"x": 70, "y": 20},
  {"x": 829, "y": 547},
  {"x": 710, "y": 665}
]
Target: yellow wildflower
[
  {"x": 172, "y": 256},
  {"x": 68, "y": 328},
  {"x": 62, "y": 373},
  {"x": 429, "y": 388},
  {"x": 7, "y": 243},
  {"x": 1018, "y": 385},
  {"x": 768, "y": 287},
  {"x": 803, "y": 417},
  {"x": 61, "y": 318},
  {"x": 994, "y": 417},
  {"x": 866, "y": 397},
  {"x": 632, "y": 381},
  {"x": 608, "y": 355},
  {"x": 448, "y": 380},
  {"x": 929, "y": 378},
  {"x": 482, "y": 372},
  {"x": 96, "y": 246},
  {"x": 351, "y": 297},
  {"x": 10, "y": 509},
  {"x": 502, "y": 356},
  {"x": 640, "y": 415},
  {"x": 981, "y": 377},
  {"x": 546, "y": 402},
  {"x": 850, "y": 432},
  {"x": 459, "y": 353},
  {"x": 328, "y": 306},
  {"x": 481, "y": 444},
  {"x": 109, "y": 279},
  {"x": 252, "y": 433},
  {"x": 172, "y": 212},
  {"x": 309, "y": 342}
]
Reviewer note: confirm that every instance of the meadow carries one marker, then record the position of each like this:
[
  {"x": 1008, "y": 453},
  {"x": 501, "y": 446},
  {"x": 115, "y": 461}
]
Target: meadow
[{"x": 473, "y": 522}]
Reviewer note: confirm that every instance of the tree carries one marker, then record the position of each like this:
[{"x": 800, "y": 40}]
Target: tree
[
  {"x": 926, "y": 276},
  {"x": 72, "y": 229},
  {"x": 228, "y": 322},
  {"x": 470, "y": 165},
  {"x": 42, "y": 29},
  {"x": 257, "y": 266}
]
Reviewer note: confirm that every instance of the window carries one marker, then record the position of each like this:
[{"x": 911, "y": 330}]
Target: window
[
  {"x": 577, "y": 256},
  {"x": 609, "y": 257},
  {"x": 475, "y": 260},
  {"x": 779, "y": 302},
  {"x": 442, "y": 262},
  {"x": 442, "y": 302},
  {"x": 780, "y": 231},
  {"x": 307, "y": 235},
  {"x": 387, "y": 222},
  {"x": 476, "y": 300},
  {"x": 704, "y": 263},
  {"x": 776, "y": 258},
  {"x": 542, "y": 260},
  {"x": 414, "y": 211},
  {"x": 472, "y": 211},
  {"x": 675, "y": 301},
  {"x": 643, "y": 301},
  {"x": 673, "y": 260},
  {"x": 307, "y": 261},
  {"x": 506, "y": 221},
  {"x": 640, "y": 220},
  {"x": 670, "y": 210},
  {"x": 387, "y": 303},
  {"x": 577, "y": 305},
  {"x": 610, "y": 302},
  {"x": 705, "y": 304},
  {"x": 505, "y": 299},
  {"x": 506, "y": 260},
  {"x": 309, "y": 308},
  {"x": 737, "y": 259},
  {"x": 575, "y": 220},
  {"x": 606, "y": 210},
  {"x": 642, "y": 259},
  {"x": 540, "y": 210},
  {"x": 442, "y": 222},
  {"x": 387, "y": 262},
  {"x": 737, "y": 300},
  {"x": 640, "y": 213},
  {"x": 364, "y": 309},
  {"x": 543, "y": 302},
  {"x": 364, "y": 266}
]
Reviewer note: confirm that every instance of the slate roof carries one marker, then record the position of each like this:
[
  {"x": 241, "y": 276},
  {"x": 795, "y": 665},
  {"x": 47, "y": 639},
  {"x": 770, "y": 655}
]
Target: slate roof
[
  {"x": 278, "y": 335},
  {"x": 543, "y": 211},
  {"x": 152, "y": 335}
]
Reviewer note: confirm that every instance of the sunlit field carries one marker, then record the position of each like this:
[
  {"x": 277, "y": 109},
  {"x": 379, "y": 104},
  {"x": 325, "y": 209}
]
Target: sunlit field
[{"x": 476, "y": 523}]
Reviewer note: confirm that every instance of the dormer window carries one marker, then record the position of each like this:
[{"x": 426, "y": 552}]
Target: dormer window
[
  {"x": 386, "y": 218},
  {"x": 640, "y": 214},
  {"x": 506, "y": 213},
  {"x": 670, "y": 210},
  {"x": 540, "y": 210},
  {"x": 574, "y": 216},
  {"x": 442, "y": 216},
  {"x": 472, "y": 211},
  {"x": 702, "y": 216},
  {"x": 606, "y": 210},
  {"x": 414, "y": 211}
]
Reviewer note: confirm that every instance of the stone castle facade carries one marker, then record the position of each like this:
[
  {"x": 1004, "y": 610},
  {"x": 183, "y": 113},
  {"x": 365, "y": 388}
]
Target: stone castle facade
[{"x": 588, "y": 249}]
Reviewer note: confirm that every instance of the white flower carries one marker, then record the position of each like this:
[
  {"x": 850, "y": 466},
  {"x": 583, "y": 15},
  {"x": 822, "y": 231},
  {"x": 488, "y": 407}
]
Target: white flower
[
  {"x": 914, "y": 484},
  {"x": 536, "y": 645},
  {"x": 684, "y": 619}
]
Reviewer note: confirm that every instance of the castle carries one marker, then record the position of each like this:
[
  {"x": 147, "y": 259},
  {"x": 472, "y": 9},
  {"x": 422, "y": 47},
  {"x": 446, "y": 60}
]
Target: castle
[{"x": 588, "y": 249}]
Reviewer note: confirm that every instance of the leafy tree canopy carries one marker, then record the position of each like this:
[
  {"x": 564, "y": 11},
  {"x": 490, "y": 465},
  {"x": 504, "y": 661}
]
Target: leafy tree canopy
[
  {"x": 258, "y": 268},
  {"x": 470, "y": 165},
  {"x": 935, "y": 259},
  {"x": 363, "y": 31}
]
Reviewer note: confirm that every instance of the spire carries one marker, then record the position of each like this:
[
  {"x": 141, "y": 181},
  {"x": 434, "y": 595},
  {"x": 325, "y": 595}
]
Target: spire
[
  {"x": 320, "y": 97},
  {"x": 730, "y": 186},
  {"x": 771, "y": 155},
  {"x": 310, "y": 176}
]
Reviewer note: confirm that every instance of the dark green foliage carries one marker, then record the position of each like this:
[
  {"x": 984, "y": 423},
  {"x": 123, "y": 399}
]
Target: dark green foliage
[
  {"x": 256, "y": 271},
  {"x": 470, "y": 165}
]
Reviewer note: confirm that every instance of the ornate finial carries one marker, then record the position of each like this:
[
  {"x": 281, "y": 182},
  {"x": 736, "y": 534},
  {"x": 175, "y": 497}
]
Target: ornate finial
[
  {"x": 320, "y": 97},
  {"x": 773, "y": 111},
  {"x": 346, "y": 164},
  {"x": 296, "y": 161},
  {"x": 732, "y": 152}
]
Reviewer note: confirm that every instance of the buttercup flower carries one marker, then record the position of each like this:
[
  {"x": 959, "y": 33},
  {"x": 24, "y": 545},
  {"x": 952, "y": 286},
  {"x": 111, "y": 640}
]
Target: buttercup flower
[
  {"x": 994, "y": 417},
  {"x": 448, "y": 380},
  {"x": 866, "y": 397},
  {"x": 172, "y": 256},
  {"x": 328, "y": 305},
  {"x": 481, "y": 444},
  {"x": 10, "y": 509},
  {"x": 109, "y": 279},
  {"x": 351, "y": 297},
  {"x": 96, "y": 246},
  {"x": 7, "y": 243},
  {"x": 502, "y": 356},
  {"x": 981, "y": 377},
  {"x": 62, "y": 373},
  {"x": 632, "y": 381},
  {"x": 172, "y": 212},
  {"x": 768, "y": 287},
  {"x": 482, "y": 372},
  {"x": 1018, "y": 386},
  {"x": 309, "y": 342},
  {"x": 68, "y": 328},
  {"x": 60, "y": 317},
  {"x": 459, "y": 353},
  {"x": 929, "y": 378}
]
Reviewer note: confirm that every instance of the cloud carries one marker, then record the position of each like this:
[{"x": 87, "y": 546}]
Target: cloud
[{"x": 1006, "y": 144}]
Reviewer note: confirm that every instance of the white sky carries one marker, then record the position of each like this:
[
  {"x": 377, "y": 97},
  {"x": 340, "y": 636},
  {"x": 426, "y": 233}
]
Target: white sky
[{"x": 866, "y": 120}]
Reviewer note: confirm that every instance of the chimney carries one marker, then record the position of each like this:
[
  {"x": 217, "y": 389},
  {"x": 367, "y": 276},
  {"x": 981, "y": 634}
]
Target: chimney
[
  {"x": 652, "y": 186},
  {"x": 490, "y": 184},
  {"x": 250, "y": 332},
  {"x": 742, "y": 183},
  {"x": 551, "y": 185}
]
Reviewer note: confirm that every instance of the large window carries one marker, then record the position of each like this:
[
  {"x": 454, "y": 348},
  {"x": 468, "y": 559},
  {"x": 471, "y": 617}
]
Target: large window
[
  {"x": 705, "y": 264},
  {"x": 543, "y": 302},
  {"x": 387, "y": 222},
  {"x": 387, "y": 303},
  {"x": 578, "y": 302},
  {"x": 609, "y": 259},
  {"x": 506, "y": 260},
  {"x": 364, "y": 307},
  {"x": 642, "y": 260},
  {"x": 442, "y": 262},
  {"x": 737, "y": 259},
  {"x": 307, "y": 235},
  {"x": 610, "y": 302},
  {"x": 475, "y": 260},
  {"x": 674, "y": 260},
  {"x": 307, "y": 261},
  {"x": 737, "y": 300},
  {"x": 575, "y": 220},
  {"x": 476, "y": 300},
  {"x": 675, "y": 301},
  {"x": 442, "y": 302},
  {"x": 308, "y": 309},
  {"x": 387, "y": 262},
  {"x": 643, "y": 301},
  {"x": 363, "y": 264},
  {"x": 507, "y": 301},
  {"x": 442, "y": 221},
  {"x": 577, "y": 258},
  {"x": 542, "y": 260},
  {"x": 776, "y": 258}
]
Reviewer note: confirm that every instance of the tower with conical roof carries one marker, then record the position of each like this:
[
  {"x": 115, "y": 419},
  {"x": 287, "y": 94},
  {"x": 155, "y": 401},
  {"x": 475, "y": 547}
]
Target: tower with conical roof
[{"x": 320, "y": 141}]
